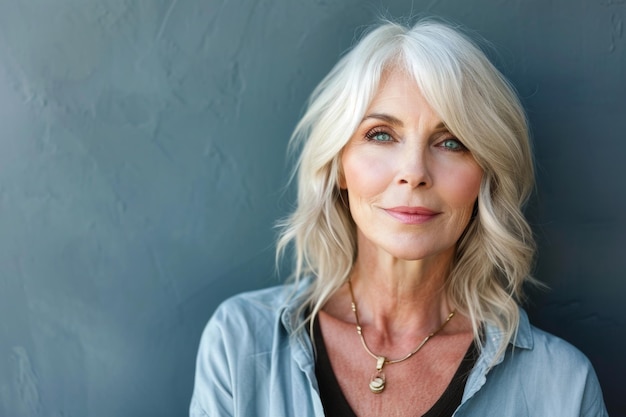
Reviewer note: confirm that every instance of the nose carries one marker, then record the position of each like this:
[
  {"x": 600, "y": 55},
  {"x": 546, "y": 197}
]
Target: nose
[{"x": 414, "y": 168}]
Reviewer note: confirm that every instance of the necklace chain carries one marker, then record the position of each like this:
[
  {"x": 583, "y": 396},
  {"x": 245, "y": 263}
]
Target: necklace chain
[{"x": 377, "y": 383}]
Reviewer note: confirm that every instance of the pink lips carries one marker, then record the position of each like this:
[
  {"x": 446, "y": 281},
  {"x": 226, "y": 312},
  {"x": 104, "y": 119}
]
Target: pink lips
[{"x": 412, "y": 215}]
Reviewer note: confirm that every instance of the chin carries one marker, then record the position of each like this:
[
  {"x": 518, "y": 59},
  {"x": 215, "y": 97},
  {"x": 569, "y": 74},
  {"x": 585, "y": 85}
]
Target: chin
[
  {"x": 411, "y": 251},
  {"x": 410, "y": 254}
]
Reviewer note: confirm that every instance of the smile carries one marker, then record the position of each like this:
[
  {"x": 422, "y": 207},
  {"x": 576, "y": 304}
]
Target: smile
[{"x": 412, "y": 215}]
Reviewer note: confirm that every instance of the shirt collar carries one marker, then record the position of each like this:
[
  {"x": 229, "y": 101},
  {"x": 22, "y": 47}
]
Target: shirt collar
[
  {"x": 524, "y": 337},
  {"x": 494, "y": 337},
  {"x": 291, "y": 316}
]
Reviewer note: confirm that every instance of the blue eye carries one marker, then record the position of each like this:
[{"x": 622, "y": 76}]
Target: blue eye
[
  {"x": 452, "y": 144},
  {"x": 378, "y": 136},
  {"x": 382, "y": 137}
]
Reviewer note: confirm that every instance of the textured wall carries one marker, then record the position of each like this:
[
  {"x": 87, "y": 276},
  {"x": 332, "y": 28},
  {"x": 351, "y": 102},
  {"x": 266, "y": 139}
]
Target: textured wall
[{"x": 142, "y": 152}]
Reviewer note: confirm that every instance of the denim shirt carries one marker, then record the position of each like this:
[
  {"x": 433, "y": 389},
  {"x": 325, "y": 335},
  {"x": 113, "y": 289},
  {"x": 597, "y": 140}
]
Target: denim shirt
[{"x": 253, "y": 361}]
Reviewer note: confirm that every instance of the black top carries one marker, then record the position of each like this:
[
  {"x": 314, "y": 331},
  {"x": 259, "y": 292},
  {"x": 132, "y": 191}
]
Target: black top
[{"x": 336, "y": 405}]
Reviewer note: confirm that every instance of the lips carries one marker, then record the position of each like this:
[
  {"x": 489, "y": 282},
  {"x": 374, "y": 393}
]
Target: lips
[{"x": 412, "y": 215}]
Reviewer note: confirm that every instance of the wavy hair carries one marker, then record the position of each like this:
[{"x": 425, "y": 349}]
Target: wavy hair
[{"x": 477, "y": 104}]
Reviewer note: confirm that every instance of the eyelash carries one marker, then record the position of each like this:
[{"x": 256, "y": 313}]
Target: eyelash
[{"x": 371, "y": 134}]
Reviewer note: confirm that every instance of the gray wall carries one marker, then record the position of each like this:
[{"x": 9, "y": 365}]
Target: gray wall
[{"x": 142, "y": 153}]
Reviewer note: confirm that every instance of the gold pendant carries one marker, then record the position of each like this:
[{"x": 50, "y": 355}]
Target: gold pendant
[{"x": 377, "y": 384}]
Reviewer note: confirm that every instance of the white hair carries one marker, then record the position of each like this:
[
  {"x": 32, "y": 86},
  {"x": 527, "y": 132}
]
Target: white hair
[{"x": 494, "y": 255}]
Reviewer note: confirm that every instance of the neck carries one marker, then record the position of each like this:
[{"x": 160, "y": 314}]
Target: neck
[{"x": 397, "y": 296}]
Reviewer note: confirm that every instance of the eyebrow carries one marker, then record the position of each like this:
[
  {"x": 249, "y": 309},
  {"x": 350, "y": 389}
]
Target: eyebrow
[
  {"x": 384, "y": 117},
  {"x": 394, "y": 120}
]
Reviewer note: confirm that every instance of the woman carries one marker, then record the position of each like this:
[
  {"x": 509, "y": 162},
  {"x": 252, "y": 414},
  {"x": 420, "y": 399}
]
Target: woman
[{"x": 411, "y": 250}]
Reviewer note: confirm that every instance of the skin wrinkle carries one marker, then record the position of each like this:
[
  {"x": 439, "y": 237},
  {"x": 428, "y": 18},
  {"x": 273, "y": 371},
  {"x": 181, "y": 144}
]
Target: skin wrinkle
[{"x": 401, "y": 156}]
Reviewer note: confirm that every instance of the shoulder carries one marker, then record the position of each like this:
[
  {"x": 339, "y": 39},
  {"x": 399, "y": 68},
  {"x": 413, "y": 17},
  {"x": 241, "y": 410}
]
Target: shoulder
[
  {"x": 563, "y": 363},
  {"x": 552, "y": 374},
  {"x": 247, "y": 354},
  {"x": 540, "y": 373},
  {"x": 241, "y": 326},
  {"x": 557, "y": 351},
  {"x": 532, "y": 346},
  {"x": 257, "y": 314},
  {"x": 538, "y": 353},
  {"x": 249, "y": 310},
  {"x": 236, "y": 345},
  {"x": 264, "y": 303}
]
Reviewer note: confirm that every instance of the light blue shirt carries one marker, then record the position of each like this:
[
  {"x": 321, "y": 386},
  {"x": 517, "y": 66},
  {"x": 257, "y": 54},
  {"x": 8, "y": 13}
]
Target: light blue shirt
[{"x": 252, "y": 363}]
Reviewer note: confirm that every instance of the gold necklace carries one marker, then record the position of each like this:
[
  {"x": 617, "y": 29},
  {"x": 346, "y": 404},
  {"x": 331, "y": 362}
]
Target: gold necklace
[{"x": 377, "y": 382}]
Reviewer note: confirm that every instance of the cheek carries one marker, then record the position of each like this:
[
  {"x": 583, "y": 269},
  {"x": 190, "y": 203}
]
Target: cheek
[
  {"x": 464, "y": 188},
  {"x": 364, "y": 176},
  {"x": 462, "y": 193}
]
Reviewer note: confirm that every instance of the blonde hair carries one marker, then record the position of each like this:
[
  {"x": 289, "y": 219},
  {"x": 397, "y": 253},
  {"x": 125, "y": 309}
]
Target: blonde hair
[{"x": 477, "y": 104}]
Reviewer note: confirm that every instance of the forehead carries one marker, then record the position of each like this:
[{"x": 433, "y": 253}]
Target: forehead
[{"x": 399, "y": 95}]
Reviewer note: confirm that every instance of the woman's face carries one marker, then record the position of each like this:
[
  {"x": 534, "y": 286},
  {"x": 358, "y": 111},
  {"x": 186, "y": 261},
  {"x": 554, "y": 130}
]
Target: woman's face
[{"x": 411, "y": 184}]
